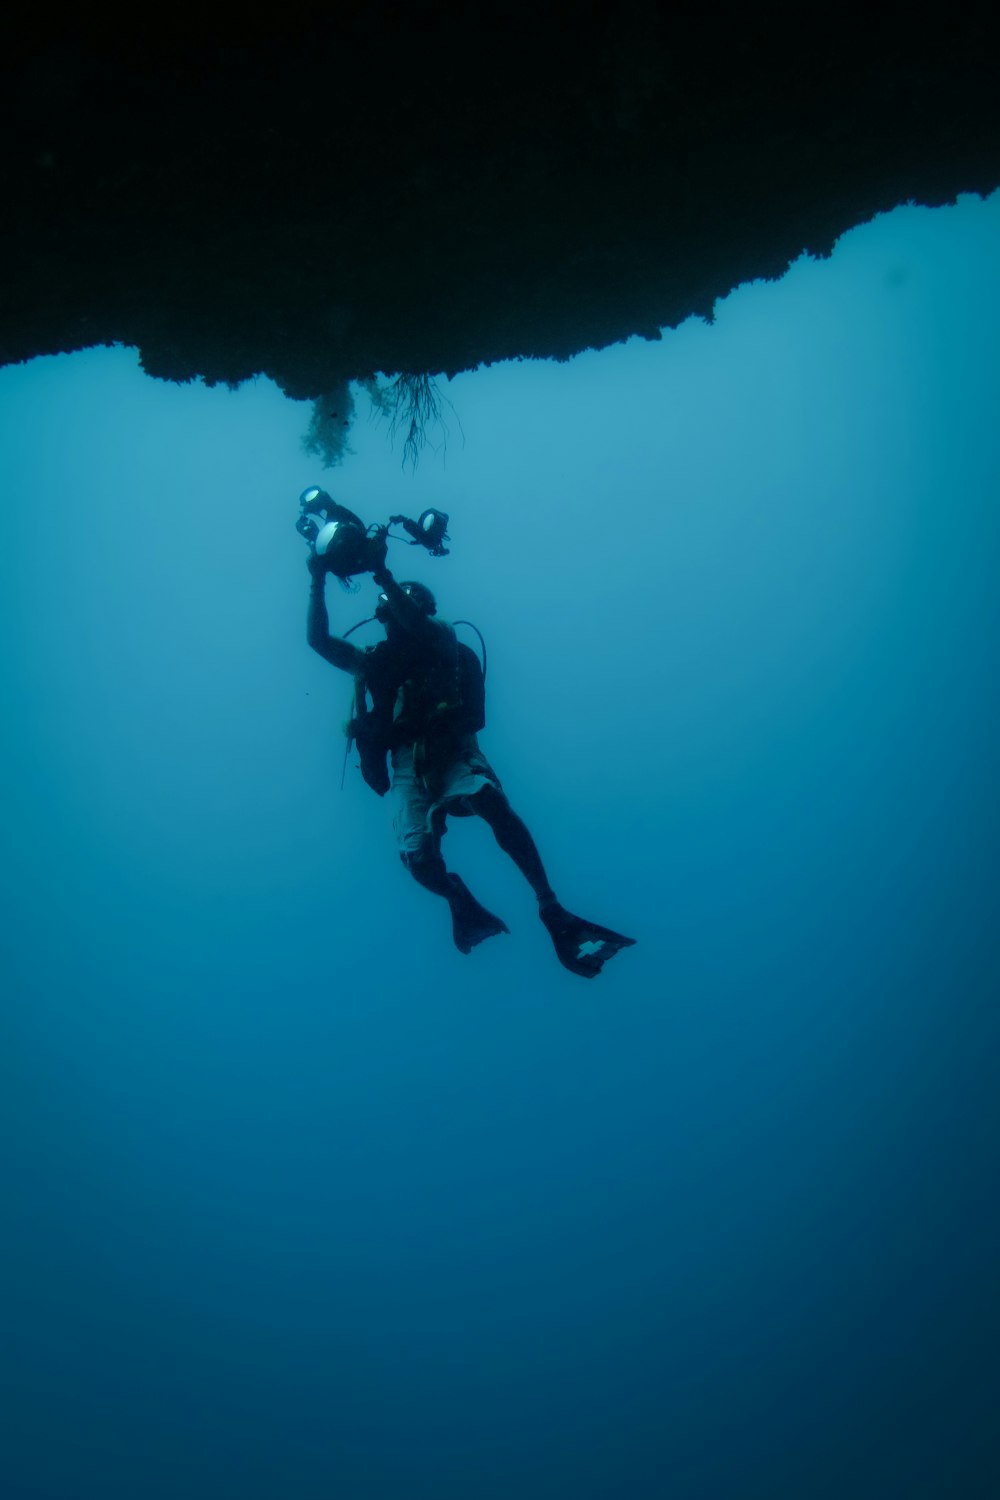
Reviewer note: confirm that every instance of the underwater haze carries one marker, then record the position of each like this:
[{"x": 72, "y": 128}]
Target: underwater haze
[{"x": 299, "y": 1201}]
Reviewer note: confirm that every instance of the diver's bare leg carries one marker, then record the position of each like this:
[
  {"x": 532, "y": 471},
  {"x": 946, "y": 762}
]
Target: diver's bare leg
[
  {"x": 471, "y": 923},
  {"x": 582, "y": 947},
  {"x": 511, "y": 833}
]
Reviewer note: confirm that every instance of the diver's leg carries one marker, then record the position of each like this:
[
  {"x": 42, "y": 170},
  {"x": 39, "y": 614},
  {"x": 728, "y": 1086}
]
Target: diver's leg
[
  {"x": 471, "y": 923},
  {"x": 582, "y": 947},
  {"x": 511, "y": 833},
  {"x": 429, "y": 870},
  {"x": 418, "y": 832}
]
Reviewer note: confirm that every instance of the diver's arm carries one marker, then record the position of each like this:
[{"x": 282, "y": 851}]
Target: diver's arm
[
  {"x": 334, "y": 650},
  {"x": 408, "y": 615}
]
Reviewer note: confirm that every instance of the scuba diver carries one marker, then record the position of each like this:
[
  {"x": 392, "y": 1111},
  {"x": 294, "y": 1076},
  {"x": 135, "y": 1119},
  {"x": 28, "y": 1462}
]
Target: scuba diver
[{"x": 427, "y": 704}]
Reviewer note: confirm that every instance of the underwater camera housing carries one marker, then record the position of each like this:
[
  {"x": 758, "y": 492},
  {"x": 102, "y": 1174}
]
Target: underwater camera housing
[
  {"x": 335, "y": 534},
  {"x": 347, "y": 546}
]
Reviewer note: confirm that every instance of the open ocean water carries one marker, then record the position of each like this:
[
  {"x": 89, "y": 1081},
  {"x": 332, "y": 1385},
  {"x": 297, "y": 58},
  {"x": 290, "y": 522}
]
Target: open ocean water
[{"x": 298, "y": 1201}]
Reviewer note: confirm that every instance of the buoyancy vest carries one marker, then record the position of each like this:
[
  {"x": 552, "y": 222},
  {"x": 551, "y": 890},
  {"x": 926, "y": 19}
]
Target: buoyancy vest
[{"x": 418, "y": 697}]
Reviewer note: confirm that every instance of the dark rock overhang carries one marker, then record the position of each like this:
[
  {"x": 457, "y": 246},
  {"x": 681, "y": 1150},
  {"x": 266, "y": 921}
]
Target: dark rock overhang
[{"x": 320, "y": 195}]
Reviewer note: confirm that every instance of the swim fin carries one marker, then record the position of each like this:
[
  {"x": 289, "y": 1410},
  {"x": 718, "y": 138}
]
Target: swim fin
[
  {"x": 582, "y": 947},
  {"x": 470, "y": 922}
]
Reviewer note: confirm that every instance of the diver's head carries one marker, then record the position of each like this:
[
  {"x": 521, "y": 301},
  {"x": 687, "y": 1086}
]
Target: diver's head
[
  {"x": 314, "y": 499},
  {"x": 418, "y": 592},
  {"x": 421, "y": 596}
]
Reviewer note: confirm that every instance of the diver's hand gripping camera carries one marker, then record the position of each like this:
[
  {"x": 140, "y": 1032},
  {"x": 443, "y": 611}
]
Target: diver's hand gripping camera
[{"x": 347, "y": 546}]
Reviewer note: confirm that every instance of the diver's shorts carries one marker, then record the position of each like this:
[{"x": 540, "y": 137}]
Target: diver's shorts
[{"x": 422, "y": 800}]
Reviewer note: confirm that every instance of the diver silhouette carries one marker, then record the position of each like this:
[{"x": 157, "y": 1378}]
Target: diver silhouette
[{"x": 427, "y": 706}]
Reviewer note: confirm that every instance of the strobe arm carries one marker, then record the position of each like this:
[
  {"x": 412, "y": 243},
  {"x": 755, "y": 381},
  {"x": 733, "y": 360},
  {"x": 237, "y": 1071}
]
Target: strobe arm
[{"x": 430, "y": 530}]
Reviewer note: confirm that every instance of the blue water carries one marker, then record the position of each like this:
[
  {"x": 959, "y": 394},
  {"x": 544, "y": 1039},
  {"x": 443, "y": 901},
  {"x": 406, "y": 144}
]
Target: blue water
[{"x": 298, "y": 1201}]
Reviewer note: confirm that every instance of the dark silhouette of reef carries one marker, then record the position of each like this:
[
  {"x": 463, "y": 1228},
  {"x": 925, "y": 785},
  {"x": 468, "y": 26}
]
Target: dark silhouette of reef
[{"x": 323, "y": 193}]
